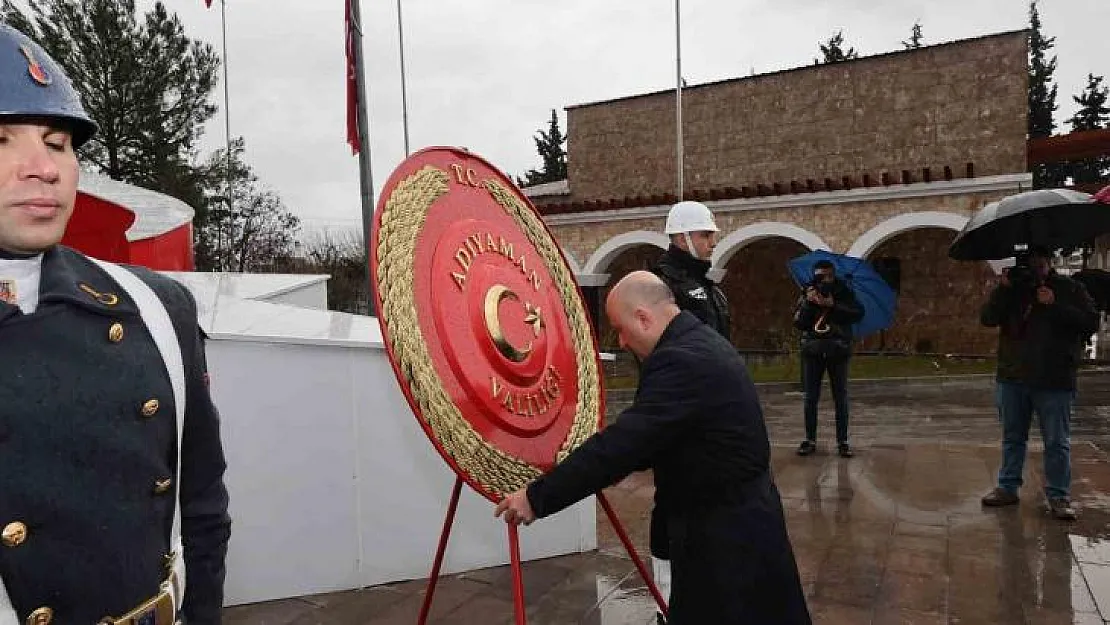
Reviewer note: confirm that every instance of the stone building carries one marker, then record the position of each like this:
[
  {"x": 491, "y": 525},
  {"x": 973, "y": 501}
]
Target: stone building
[{"x": 883, "y": 158}]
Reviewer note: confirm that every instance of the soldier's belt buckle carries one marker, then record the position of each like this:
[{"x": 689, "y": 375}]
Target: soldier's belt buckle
[{"x": 155, "y": 611}]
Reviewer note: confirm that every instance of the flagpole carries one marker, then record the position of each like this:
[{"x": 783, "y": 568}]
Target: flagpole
[
  {"x": 678, "y": 94},
  {"x": 227, "y": 97},
  {"x": 404, "y": 95},
  {"x": 227, "y": 109},
  {"x": 366, "y": 181}
]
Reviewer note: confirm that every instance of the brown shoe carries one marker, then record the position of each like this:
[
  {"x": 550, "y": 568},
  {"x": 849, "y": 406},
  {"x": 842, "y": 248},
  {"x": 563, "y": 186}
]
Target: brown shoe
[
  {"x": 1000, "y": 497},
  {"x": 1061, "y": 509}
]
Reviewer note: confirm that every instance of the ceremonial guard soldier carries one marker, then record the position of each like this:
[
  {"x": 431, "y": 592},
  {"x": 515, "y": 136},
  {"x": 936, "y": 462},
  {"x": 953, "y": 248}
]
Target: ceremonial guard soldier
[{"x": 109, "y": 442}]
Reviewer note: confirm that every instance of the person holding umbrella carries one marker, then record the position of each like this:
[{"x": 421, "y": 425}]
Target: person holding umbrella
[
  {"x": 1044, "y": 319},
  {"x": 825, "y": 314}
]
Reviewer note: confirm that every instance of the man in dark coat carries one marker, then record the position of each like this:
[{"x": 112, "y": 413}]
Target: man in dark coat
[
  {"x": 88, "y": 431},
  {"x": 697, "y": 421},
  {"x": 825, "y": 314},
  {"x": 1044, "y": 319}
]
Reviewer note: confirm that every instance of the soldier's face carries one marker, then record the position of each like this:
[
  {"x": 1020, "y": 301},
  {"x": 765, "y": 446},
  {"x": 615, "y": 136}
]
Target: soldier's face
[
  {"x": 704, "y": 242},
  {"x": 38, "y": 185}
]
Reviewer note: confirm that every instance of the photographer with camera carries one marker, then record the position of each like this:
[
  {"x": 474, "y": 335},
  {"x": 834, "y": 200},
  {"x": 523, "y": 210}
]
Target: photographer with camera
[
  {"x": 825, "y": 314},
  {"x": 1044, "y": 319}
]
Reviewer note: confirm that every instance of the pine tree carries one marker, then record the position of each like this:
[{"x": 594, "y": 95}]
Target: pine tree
[
  {"x": 915, "y": 39},
  {"x": 554, "y": 156},
  {"x": 833, "y": 50},
  {"x": 144, "y": 81},
  {"x": 1093, "y": 114},
  {"x": 1042, "y": 97}
]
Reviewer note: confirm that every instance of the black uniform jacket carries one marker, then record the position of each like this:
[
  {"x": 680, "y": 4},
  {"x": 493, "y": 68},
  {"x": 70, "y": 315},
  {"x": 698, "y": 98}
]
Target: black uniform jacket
[
  {"x": 88, "y": 442},
  {"x": 697, "y": 421},
  {"x": 692, "y": 288}
]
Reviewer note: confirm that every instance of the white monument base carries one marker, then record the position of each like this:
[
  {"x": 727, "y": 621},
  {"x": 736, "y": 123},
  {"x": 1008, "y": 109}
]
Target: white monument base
[{"x": 333, "y": 483}]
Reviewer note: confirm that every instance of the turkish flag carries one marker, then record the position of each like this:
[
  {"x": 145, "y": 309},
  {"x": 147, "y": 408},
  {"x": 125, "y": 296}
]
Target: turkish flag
[{"x": 353, "y": 137}]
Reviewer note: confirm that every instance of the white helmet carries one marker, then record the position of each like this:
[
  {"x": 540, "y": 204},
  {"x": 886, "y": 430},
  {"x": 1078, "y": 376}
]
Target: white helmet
[{"x": 690, "y": 217}]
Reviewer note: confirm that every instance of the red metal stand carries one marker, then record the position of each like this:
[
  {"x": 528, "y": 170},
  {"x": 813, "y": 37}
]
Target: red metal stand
[
  {"x": 447, "y": 523},
  {"x": 514, "y": 558},
  {"x": 659, "y": 600},
  {"x": 518, "y": 577}
]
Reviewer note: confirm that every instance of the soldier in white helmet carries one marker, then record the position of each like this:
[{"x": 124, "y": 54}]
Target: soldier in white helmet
[
  {"x": 685, "y": 264},
  {"x": 684, "y": 268}
]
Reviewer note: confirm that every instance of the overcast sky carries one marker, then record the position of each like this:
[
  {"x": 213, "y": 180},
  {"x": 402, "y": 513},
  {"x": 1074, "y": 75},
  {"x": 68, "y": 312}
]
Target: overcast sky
[{"x": 485, "y": 73}]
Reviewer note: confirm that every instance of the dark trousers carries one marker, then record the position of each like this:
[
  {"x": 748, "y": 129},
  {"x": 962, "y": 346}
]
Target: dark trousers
[{"x": 814, "y": 367}]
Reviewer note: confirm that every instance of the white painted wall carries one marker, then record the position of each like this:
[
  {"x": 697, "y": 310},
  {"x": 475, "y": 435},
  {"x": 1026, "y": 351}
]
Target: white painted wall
[{"x": 334, "y": 485}]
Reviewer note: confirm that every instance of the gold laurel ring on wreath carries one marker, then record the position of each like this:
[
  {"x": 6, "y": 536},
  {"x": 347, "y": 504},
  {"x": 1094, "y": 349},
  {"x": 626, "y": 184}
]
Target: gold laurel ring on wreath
[{"x": 402, "y": 220}]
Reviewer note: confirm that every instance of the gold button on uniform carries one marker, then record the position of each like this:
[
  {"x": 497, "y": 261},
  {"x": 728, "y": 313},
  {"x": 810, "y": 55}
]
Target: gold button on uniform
[
  {"x": 150, "y": 407},
  {"x": 162, "y": 486},
  {"x": 14, "y": 534},
  {"x": 115, "y": 333},
  {"x": 41, "y": 616}
]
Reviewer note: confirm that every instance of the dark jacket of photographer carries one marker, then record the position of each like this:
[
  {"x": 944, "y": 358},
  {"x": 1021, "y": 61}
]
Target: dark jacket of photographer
[
  {"x": 693, "y": 290},
  {"x": 1040, "y": 345},
  {"x": 846, "y": 311}
]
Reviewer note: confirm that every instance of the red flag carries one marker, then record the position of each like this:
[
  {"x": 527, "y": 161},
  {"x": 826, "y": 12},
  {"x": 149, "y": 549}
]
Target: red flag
[
  {"x": 353, "y": 137},
  {"x": 208, "y": 3}
]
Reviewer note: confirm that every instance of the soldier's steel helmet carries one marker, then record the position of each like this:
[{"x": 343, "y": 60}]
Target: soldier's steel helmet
[{"x": 33, "y": 85}]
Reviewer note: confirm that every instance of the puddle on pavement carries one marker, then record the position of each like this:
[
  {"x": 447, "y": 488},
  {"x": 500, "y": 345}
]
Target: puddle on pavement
[{"x": 621, "y": 605}]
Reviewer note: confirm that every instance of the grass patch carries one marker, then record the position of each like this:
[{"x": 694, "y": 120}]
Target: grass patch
[{"x": 787, "y": 369}]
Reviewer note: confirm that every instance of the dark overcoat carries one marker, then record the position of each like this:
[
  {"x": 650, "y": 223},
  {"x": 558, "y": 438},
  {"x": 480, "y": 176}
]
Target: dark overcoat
[
  {"x": 697, "y": 421},
  {"x": 88, "y": 451}
]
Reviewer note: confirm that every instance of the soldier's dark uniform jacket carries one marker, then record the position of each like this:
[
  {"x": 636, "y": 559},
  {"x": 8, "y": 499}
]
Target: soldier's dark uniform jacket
[
  {"x": 697, "y": 421},
  {"x": 88, "y": 451},
  {"x": 694, "y": 292},
  {"x": 692, "y": 288}
]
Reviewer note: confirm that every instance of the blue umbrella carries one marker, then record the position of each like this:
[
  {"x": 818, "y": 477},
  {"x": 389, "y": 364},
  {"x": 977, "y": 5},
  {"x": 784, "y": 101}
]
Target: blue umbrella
[{"x": 871, "y": 290}]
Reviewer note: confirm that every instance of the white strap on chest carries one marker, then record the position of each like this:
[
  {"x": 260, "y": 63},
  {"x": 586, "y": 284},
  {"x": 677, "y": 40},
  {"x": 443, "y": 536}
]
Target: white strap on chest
[{"x": 158, "y": 322}]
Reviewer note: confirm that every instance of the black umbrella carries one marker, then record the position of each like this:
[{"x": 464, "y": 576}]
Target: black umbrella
[{"x": 1049, "y": 218}]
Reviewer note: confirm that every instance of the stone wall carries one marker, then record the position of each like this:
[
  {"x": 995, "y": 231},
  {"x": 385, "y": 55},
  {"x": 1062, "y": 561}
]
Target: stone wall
[
  {"x": 939, "y": 300},
  {"x": 949, "y": 104},
  {"x": 839, "y": 225}
]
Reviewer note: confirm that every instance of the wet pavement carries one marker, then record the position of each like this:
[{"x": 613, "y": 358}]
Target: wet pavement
[{"x": 895, "y": 535}]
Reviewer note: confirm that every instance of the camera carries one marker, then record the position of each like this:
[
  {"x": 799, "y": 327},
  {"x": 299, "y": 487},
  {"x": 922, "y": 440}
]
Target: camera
[
  {"x": 1022, "y": 277},
  {"x": 823, "y": 288}
]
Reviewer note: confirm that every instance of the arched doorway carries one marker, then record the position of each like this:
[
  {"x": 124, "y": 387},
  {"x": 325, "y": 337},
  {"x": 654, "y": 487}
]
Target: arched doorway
[
  {"x": 938, "y": 298},
  {"x": 634, "y": 258},
  {"x": 762, "y": 295},
  {"x": 758, "y": 285}
]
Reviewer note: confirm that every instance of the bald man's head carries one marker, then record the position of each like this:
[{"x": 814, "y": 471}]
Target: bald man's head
[
  {"x": 641, "y": 288},
  {"x": 640, "y": 307}
]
